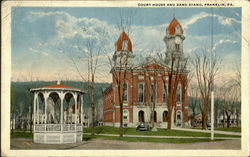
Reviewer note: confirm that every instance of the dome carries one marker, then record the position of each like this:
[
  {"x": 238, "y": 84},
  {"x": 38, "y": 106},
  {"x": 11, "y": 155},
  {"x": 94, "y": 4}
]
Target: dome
[
  {"x": 119, "y": 43},
  {"x": 172, "y": 27}
]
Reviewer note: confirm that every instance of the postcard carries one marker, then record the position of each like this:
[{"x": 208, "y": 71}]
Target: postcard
[{"x": 125, "y": 78}]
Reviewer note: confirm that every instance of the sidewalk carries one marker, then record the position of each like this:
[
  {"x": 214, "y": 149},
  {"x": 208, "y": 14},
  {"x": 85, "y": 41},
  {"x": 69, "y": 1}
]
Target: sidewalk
[
  {"x": 209, "y": 131},
  {"x": 179, "y": 137}
]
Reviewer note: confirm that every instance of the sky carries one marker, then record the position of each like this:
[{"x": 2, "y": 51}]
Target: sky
[{"x": 50, "y": 43}]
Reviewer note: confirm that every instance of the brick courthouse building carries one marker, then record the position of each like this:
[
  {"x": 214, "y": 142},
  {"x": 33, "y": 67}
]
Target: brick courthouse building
[{"x": 139, "y": 82}]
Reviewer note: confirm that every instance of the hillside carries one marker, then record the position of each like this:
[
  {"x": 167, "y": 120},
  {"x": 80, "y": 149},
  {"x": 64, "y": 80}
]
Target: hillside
[{"x": 22, "y": 98}]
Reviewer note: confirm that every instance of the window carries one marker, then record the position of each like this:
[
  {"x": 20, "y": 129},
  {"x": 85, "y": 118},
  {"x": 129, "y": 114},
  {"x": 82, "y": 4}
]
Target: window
[
  {"x": 177, "y": 47},
  {"x": 125, "y": 115},
  {"x": 125, "y": 94},
  {"x": 177, "y": 29},
  {"x": 153, "y": 92},
  {"x": 178, "y": 94},
  {"x": 178, "y": 115},
  {"x": 125, "y": 45},
  {"x": 141, "y": 92},
  {"x": 165, "y": 93}
]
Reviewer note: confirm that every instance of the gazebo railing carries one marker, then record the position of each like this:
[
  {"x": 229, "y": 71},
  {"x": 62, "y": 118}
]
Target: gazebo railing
[
  {"x": 57, "y": 127},
  {"x": 79, "y": 127},
  {"x": 40, "y": 127},
  {"x": 68, "y": 127},
  {"x": 53, "y": 127}
]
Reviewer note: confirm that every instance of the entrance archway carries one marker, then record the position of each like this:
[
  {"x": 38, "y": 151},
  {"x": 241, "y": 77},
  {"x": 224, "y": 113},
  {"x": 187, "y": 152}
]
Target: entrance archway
[
  {"x": 141, "y": 116},
  {"x": 164, "y": 116},
  {"x": 155, "y": 116}
]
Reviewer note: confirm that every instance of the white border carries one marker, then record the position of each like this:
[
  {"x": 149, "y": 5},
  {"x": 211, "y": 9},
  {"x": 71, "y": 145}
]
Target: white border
[{"x": 6, "y": 76}]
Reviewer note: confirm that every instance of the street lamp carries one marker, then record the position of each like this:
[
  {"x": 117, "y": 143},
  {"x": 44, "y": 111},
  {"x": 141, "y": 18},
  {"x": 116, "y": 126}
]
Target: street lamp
[{"x": 212, "y": 81}]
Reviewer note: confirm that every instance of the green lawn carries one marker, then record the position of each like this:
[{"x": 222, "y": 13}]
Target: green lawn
[
  {"x": 21, "y": 134},
  {"x": 234, "y": 129},
  {"x": 140, "y": 139},
  {"x": 160, "y": 132}
]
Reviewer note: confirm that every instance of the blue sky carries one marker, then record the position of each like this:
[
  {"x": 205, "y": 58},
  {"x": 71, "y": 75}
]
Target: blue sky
[{"x": 45, "y": 39}]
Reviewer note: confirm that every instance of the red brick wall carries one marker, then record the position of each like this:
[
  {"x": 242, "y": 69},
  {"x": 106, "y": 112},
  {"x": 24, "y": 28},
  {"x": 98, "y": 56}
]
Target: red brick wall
[{"x": 133, "y": 99}]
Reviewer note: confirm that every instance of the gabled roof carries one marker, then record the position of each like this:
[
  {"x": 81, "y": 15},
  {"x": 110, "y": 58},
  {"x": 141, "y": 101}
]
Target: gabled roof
[
  {"x": 152, "y": 66},
  {"x": 123, "y": 37}
]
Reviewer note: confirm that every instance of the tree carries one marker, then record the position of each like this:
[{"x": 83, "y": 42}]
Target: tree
[
  {"x": 92, "y": 61},
  {"x": 236, "y": 80},
  {"x": 206, "y": 69},
  {"x": 230, "y": 99},
  {"x": 151, "y": 80},
  {"x": 119, "y": 73},
  {"x": 175, "y": 67},
  {"x": 194, "y": 100},
  {"x": 121, "y": 64}
]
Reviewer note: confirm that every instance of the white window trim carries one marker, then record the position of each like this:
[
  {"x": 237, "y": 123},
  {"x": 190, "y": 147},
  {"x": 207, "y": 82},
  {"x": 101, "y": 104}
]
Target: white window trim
[
  {"x": 165, "y": 92},
  {"x": 179, "y": 103},
  {"x": 126, "y": 102},
  {"x": 142, "y": 92},
  {"x": 179, "y": 111},
  {"x": 125, "y": 114}
]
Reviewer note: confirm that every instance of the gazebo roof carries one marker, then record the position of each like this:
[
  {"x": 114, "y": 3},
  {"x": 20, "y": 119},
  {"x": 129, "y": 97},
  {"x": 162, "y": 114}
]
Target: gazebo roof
[{"x": 57, "y": 87}]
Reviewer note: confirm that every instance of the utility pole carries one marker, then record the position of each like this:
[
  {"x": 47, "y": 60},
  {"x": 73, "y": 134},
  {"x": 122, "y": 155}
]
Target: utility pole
[{"x": 212, "y": 81}]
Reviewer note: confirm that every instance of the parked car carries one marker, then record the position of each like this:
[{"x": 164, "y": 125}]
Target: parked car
[
  {"x": 142, "y": 127},
  {"x": 208, "y": 125}
]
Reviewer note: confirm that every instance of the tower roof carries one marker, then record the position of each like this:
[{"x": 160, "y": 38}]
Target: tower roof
[
  {"x": 119, "y": 42},
  {"x": 173, "y": 24}
]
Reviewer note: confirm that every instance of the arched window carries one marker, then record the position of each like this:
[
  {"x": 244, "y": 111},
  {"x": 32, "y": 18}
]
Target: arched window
[
  {"x": 125, "y": 88},
  {"x": 141, "y": 92},
  {"x": 164, "y": 116},
  {"x": 177, "y": 29},
  {"x": 165, "y": 93},
  {"x": 178, "y": 115},
  {"x": 178, "y": 94},
  {"x": 125, "y": 45},
  {"x": 177, "y": 47},
  {"x": 141, "y": 116},
  {"x": 125, "y": 115}
]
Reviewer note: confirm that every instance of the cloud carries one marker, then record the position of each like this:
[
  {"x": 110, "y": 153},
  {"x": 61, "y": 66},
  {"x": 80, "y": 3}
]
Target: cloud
[
  {"x": 224, "y": 41},
  {"x": 201, "y": 23},
  {"x": 38, "y": 51},
  {"x": 187, "y": 22},
  {"x": 67, "y": 32}
]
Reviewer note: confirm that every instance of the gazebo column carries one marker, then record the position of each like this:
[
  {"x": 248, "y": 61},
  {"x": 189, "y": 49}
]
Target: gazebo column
[
  {"x": 61, "y": 96},
  {"x": 34, "y": 114},
  {"x": 37, "y": 109},
  {"x": 81, "y": 103},
  {"x": 46, "y": 95},
  {"x": 75, "y": 98}
]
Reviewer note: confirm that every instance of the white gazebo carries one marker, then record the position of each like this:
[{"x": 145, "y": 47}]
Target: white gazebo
[{"x": 58, "y": 114}]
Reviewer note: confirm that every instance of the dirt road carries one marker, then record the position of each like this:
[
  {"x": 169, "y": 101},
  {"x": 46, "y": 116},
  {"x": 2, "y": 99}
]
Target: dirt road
[{"x": 22, "y": 143}]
